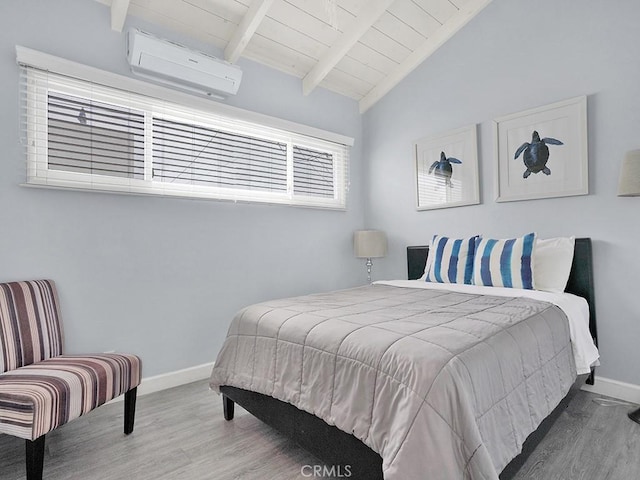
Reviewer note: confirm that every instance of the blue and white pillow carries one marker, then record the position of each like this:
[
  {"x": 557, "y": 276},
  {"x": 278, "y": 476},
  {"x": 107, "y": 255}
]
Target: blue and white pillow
[
  {"x": 505, "y": 262},
  {"x": 450, "y": 260}
]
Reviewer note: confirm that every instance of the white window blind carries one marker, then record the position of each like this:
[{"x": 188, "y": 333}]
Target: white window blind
[
  {"x": 94, "y": 137},
  {"x": 313, "y": 172},
  {"x": 198, "y": 155},
  {"x": 89, "y": 136}
]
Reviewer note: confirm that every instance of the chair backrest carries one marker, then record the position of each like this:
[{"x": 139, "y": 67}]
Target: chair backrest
[{"x": 30, "y": 323}]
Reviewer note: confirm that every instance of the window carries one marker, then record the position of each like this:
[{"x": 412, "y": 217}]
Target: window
[
  {"x": 193, "y": 154},
  {"x": 86, "y": 135},
  {"x": 94, "y": 138}
]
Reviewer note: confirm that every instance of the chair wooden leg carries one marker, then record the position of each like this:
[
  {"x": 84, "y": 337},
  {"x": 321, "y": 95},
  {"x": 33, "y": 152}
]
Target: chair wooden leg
[
  {"x": 227, "y": 406},
  {"x": 35, "y": 458},
  {"x": 129, "y": 410}
]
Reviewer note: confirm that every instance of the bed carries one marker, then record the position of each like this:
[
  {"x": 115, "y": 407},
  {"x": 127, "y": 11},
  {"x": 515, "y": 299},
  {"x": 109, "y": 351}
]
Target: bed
[{"x": 376, "y": 419}]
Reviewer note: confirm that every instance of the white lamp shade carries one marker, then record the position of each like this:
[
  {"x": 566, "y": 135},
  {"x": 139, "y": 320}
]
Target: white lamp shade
[
  {"x": 369, "y": 244},
  {"x": 629, "y": 185}
]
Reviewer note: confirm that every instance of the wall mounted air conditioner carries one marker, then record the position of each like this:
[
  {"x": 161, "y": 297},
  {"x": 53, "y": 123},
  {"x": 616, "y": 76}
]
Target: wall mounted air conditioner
[{"x": 173, "y": 64}]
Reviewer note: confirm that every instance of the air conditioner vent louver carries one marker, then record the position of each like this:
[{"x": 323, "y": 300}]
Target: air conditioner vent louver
[{"x": 174, "y": 64}]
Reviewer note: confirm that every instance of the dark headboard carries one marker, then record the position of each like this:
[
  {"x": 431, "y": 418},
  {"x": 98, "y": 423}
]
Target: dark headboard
[
  {"x": 580, "y": 279},
  {"x": 416, "y": 261}
]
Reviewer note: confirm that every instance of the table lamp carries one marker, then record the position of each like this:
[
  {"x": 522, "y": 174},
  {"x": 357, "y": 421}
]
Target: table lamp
[
  {"x": 369, "y": 244},
  {"x": 629, "y": 184}
]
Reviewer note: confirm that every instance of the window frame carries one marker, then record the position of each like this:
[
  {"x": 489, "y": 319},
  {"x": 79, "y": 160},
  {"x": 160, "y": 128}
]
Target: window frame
[{"x": 39, "y": 78}]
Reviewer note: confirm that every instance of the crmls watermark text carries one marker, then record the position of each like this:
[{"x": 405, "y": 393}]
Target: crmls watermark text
[{"x": 336, "y": 471}]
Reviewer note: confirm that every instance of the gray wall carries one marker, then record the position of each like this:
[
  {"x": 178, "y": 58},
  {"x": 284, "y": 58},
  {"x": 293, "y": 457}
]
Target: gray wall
[
  {"x": 162, "y": 277},
  {"x": 511, "y": 57}
]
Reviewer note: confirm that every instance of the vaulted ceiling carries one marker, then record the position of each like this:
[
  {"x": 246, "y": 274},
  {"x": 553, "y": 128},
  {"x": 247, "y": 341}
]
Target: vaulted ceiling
[{"x": 358, "y": 48}]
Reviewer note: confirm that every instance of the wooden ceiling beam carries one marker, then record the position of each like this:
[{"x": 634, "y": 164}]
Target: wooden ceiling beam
[
  {"x": 370, "y": 14},
  {"x": 248, "y": 26},
  {"x": 424, "y": 51},
  {"x": 119, "y": 10}
]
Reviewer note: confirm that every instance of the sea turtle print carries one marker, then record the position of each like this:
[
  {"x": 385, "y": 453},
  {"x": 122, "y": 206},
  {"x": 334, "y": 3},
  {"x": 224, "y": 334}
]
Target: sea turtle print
[
  {"x": 536, "y": 154},
  {"x": 443, "y": 168}
]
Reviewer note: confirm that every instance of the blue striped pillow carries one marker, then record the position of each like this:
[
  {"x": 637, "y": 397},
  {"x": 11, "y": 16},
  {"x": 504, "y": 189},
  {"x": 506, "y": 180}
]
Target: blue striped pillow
[
  {"x": 505, "y": 263},
  {"x": 450, "y": 260}
]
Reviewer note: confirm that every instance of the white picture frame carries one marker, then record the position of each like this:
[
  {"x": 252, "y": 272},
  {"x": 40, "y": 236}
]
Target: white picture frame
[
  {"x": 443, "y": 182},
  {"x": 527, "y": 170}
]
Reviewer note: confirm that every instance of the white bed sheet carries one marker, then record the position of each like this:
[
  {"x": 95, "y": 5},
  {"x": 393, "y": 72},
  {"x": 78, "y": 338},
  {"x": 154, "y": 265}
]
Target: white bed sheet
[{"x": 575, "y": 308}]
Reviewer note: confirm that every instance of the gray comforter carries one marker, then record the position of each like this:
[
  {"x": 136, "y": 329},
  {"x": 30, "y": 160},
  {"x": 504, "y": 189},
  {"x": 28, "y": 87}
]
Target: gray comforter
[{"x": 442, "y": 385}]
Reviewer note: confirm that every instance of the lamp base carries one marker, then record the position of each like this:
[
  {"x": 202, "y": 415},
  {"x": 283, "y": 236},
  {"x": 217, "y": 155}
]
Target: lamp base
[{"x": 635, "y": 415}]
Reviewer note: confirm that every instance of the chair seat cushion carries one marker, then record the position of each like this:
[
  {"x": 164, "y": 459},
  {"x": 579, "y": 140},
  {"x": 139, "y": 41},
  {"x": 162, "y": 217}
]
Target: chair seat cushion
[{"x": 38, "y": 398}]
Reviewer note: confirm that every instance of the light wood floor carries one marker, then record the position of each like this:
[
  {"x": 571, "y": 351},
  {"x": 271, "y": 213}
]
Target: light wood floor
[{"x": 180, "y": 435}]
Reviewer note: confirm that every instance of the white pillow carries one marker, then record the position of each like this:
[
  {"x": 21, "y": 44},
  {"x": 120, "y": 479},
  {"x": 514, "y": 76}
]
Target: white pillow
[{"x": 552, "y": 263}]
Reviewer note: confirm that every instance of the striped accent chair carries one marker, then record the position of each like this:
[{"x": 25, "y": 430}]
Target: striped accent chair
[{"x": 40, "y": 388}]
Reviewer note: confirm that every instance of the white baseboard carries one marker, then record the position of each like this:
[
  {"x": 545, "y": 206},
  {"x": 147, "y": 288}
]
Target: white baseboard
[
  {"x": 172, "y": 379},
  {"x": 628, "y": 392},
  {"x": 175, "y": 379}
]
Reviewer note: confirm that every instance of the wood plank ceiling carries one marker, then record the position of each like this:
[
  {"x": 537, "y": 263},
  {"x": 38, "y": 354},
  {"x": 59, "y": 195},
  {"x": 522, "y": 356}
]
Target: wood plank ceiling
[{"x": 358, "y": 48}]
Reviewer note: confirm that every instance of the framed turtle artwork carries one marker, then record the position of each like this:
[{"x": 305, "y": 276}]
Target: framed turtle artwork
[
  {"x": 542, "y": 152},
  {"x": 446, "y": 169}
]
